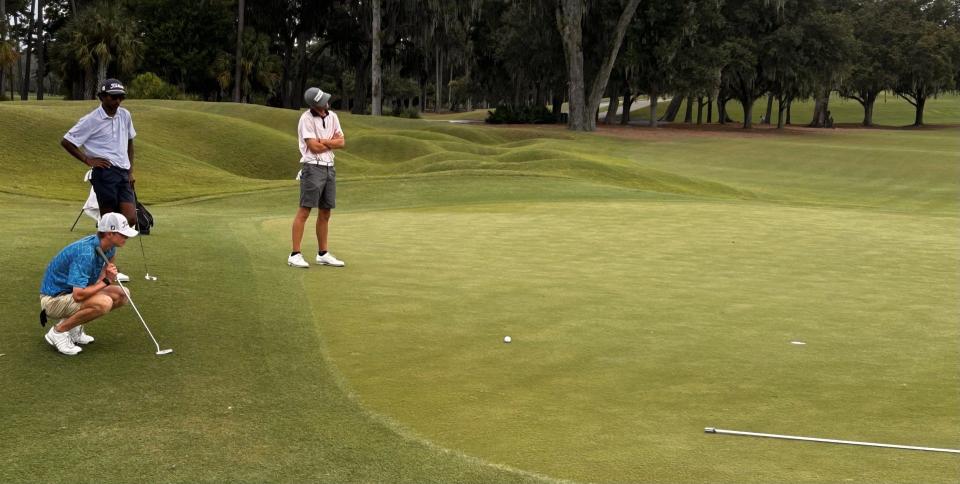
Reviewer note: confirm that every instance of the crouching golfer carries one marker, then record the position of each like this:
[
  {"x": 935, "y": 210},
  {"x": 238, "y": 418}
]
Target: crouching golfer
[
  {"x": 319, "y": 134},
  {"x": 78, "y": 286}
]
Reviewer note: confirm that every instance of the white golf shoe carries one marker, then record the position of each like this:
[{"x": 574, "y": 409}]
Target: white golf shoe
[
  {"x": 61, "y": 341},
  {"x": 296, "y": 260},
  {"x": 123, "y": 277},
  {"x": 79, "y": 336},
  {"x": 329, "y": 260}
]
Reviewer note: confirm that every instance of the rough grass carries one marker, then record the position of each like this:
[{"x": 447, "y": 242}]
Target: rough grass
[{"x": 652, "y": 287}]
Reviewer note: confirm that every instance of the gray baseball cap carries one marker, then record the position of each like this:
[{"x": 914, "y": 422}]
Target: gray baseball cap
[{"x": 316, "y": 98}]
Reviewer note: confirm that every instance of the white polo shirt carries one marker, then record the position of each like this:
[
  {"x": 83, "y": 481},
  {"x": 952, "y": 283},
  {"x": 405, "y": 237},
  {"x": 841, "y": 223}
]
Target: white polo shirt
[
  {"x": 317, "y": 127},
  {"x": 104, "y": 137}
]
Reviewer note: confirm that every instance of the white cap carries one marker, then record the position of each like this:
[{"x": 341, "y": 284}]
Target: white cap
[{"x": 114, "y": 222}]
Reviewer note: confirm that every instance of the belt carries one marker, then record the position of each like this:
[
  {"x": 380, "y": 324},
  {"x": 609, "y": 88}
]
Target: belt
[
  {"x": 317, "y": 164},
  {"x": 112, "y": 167}
]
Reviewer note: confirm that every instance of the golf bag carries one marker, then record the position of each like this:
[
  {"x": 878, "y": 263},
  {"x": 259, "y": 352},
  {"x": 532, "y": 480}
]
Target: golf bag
[
  {"x": 92, "y": 209},
  {"x": 144, "y": 219}
]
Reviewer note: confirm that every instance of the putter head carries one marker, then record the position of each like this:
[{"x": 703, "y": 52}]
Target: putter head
[
  {"x": 165, "y": 352},
  {"x": 149, "y": 277}
]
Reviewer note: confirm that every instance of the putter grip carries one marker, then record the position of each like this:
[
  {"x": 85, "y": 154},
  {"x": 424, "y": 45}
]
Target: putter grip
[{"x": 102, "y": 255}]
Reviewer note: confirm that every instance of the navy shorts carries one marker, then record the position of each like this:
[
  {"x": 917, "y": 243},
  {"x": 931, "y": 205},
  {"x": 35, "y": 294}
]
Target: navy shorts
[
  {"x": 112, "y": 186},
  {"x": 318, "y": 186}
]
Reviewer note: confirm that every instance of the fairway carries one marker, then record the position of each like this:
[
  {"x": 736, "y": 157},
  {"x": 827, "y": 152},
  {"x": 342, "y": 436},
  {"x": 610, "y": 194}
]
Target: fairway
[{"x": 653, "y": 284}]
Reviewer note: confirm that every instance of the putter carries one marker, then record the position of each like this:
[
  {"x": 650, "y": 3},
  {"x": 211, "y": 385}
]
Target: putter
[
  {"x": 712, "y": 430},
  {"x": 145, "y": 268},
  {"x": 159, "y": 351},
  {"x": 144, "y": 254}
]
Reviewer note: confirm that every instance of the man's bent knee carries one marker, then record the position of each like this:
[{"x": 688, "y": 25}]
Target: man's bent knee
[
  {"x": 119, "y": 295},
  {"x": 100, "y": 303}
]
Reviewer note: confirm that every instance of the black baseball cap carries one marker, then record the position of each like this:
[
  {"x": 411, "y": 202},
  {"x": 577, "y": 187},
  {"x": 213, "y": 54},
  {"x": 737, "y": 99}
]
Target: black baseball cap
[{"x": 112, "y": 86}]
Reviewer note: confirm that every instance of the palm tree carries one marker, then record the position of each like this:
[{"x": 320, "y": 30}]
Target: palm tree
[{"x": 99, "y": 36}]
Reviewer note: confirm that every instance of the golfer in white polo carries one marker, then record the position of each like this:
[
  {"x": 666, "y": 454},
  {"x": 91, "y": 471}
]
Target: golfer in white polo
[
  {"x": 78, "y": 285},
  {"x": 319, "y": 134}
]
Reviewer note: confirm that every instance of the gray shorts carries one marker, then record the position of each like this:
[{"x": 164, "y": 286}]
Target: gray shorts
[{"x": 318, "y": 186}]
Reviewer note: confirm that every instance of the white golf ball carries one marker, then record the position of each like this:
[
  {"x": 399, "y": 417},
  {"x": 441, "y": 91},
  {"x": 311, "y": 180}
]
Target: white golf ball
[{"x": 507, "y": 339}]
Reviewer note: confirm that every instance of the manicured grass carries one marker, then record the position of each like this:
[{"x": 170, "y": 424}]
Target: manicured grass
[{"x": 652, "y": 288}]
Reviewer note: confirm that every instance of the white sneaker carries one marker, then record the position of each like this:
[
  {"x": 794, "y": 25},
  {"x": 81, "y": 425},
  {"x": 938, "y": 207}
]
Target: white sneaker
[
  {"x": 61, "y": 341},
  {"x": 79, "y": 336},
  {"x": 123, "y": 277},
  {"x": 296, "y": 260},
  {"x": 329, "y": 260}
]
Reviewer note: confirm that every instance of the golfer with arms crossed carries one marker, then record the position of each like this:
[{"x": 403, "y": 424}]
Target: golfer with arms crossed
[
  {"x": 78, "y": 286},
  {"x": 319, "y": 134},
  {"x": 106, "y": 135}
]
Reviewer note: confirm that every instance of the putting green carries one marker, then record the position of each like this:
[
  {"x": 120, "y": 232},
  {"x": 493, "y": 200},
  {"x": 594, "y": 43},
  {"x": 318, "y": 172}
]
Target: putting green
[
  {"x": 636, "y": 324},
  {"x": 652, "y": 287}
]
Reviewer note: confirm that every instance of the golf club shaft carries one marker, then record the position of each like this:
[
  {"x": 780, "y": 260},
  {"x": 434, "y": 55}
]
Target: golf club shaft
[
  {"x": 144, "y": 254},
  {"x": 711, "y": 430},
  {"x": 132, "y": 304},
  {"x": 136, "y": 200},
  {"x": 77, "y": 220}
]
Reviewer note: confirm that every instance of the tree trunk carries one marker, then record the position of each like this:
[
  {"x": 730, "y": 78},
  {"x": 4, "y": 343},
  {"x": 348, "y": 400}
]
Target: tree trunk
[
  {"x": 821, "y": 109},
  {"x": 360, "y": 90},
  {"x": 89, "y": 83},
  {"x": 466, "y": 80},
  {"x": 699, "y": 110},
  {"x": 286, "y": 75},
  {"x": 569, "y": 23},
  {"x": 41, "y": 51},
  {"x": 439, "y": 90},
  {"x": 422, "y": 102},
  {"x": 921, "y": 101},
  {"x": 101, "y": 72},
  {"x": 722, "y": 110},
  {"x": 3, "y": 37},
  {"x": 672, "y": 109},
  {"x": 25, "y": 89},
  {"x": 688, "y": 112},
  {"x": 709, "y": 110},
  {"x": 769, "y": 113},
  {"x": 606, "y": 67},
  {"x": 239, "y": 57},
  {"x": 868, "y": 110},
  {"x": 583, "y": 108},
  {"x": 781, "y": 107},
  {"x": 789, "y": 106},
  {"x": 747, "y": 104},
  {"x": 375, "y": 76},
  {"x": 612, "y": 106},
  {"x": 653, "y": 105},
  {"x": 557, "y": 107},
  {"x": 627, "y": 104},
  {"x": 296, "y": 95}
]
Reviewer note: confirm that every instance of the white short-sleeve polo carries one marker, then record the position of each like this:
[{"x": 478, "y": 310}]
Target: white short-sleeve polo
[
  {"x": 317, "y": 127},
  {"x": 103, "y": 136}
]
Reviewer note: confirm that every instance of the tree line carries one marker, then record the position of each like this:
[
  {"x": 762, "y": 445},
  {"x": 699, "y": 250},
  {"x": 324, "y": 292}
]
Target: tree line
[{"x": 408, "y": 56}]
